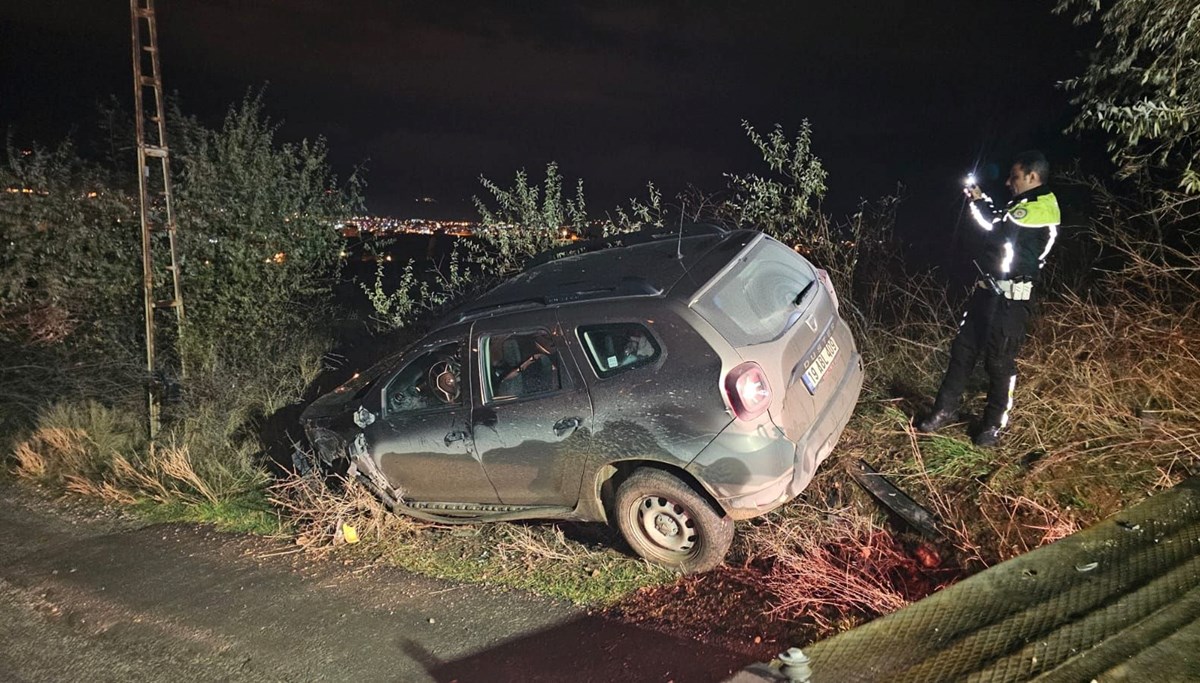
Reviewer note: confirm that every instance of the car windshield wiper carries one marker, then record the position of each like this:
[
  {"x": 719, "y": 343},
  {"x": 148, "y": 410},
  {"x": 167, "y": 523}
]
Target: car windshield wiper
[{"x": 800, "y": 296}]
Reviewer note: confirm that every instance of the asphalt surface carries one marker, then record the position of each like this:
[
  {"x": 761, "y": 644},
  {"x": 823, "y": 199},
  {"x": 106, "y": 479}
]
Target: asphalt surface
[{"x": 108, "y": 599}]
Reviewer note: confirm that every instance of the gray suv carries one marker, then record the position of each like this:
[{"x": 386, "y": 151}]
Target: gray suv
[{"x": 670, "y": 384}]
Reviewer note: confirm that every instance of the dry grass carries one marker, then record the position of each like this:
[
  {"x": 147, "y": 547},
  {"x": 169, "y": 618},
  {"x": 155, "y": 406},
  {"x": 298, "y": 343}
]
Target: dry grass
[
  {"x": 828, "y": 566},
  {"x": 319, "y": 512},
  {"x": 530, "y": 546},
  {"x": 548, "y": 558},
  {"x": 93, "y": 450},
  {"x": 75, "y": 440}
]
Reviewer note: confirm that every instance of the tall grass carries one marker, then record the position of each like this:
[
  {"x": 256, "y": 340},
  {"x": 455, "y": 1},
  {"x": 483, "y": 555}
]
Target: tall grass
[{"x": 210, "y": 457}]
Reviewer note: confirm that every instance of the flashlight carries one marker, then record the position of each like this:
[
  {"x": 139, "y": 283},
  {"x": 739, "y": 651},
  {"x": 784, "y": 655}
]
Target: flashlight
[{"x": 970, "y": 181}]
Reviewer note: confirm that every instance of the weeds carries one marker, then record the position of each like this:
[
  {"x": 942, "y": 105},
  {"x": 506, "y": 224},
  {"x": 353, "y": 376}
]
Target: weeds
[
  {"x": 541, "y": 557},
  {"x": 827, "y": 566},
  {"x": 76, "y": 441},
  {"x": 92, "y": 450},
  {"x": 208, "y": 465},
  {"x": 951, "y": 458},
  {"x": 321, "y": 512}
]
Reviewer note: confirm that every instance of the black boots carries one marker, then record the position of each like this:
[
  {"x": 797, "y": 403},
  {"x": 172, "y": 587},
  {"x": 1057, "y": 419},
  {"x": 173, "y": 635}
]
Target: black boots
[
  {"x": 940, "y": 417},
  {"x": 987, "y": 436}
]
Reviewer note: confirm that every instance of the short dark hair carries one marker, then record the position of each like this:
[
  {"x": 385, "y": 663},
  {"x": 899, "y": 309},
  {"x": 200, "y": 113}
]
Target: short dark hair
[{"x": 1034, "y": 161}]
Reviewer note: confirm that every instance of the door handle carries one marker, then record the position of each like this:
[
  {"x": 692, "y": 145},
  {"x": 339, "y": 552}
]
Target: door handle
[
  {"x": 567, "y": 424},
  {"x": 454, "y": 436}
]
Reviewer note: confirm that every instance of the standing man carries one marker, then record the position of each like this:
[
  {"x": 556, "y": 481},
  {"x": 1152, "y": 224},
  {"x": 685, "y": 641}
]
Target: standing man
[{"x": 1018, "y": 241}]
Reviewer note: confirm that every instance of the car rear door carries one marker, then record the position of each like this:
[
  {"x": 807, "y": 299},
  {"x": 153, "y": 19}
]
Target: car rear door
[{"x": 531, "y": 415}]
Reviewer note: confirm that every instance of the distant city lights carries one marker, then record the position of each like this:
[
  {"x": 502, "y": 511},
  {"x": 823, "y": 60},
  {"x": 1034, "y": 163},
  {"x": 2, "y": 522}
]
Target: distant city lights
[{"x": 385, "y": 225}]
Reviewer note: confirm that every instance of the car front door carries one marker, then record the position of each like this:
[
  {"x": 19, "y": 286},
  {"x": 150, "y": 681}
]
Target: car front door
[
  {"x": 422, "y": 438},
  {"x": 532, "y": 415}
]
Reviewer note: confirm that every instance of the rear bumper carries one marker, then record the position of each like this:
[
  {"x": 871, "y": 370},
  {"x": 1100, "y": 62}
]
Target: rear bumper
[{"x": 803, "y": 457}]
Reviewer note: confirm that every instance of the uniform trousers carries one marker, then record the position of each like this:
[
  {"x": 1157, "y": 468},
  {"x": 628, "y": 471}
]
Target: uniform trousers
[{"x": 992, "y": 327}]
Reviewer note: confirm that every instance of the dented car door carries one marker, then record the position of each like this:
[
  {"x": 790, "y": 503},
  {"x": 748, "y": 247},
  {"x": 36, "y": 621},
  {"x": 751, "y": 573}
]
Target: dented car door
[{"x": 532, "y": 415}]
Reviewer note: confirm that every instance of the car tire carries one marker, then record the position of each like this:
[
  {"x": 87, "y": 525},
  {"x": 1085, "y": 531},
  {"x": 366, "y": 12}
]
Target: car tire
[{"x": 668, "y": 523}]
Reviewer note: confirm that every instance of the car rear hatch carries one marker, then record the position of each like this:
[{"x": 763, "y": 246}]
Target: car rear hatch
[{"x": 771, "y": 305}]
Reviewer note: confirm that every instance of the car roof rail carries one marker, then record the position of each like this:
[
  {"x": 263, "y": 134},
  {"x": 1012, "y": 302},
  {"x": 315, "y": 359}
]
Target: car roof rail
[
  {"x": 626, "y": 239},
  {"x": 626, "y": 286}
]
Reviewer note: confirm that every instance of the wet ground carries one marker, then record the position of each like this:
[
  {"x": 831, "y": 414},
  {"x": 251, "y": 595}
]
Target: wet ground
[{"x": 97, "y": 598}]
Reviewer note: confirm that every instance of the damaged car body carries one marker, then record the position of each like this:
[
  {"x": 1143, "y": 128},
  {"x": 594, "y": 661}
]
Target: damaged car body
[{"x": 671, "y": 385}]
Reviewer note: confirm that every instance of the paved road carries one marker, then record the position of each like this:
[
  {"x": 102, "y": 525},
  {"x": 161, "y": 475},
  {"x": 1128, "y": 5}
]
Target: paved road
[{"x": 104, "y": 600}]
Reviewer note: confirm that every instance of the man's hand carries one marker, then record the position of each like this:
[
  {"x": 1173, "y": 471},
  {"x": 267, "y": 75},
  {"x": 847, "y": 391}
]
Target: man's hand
[{"x": 973, "y": 192}]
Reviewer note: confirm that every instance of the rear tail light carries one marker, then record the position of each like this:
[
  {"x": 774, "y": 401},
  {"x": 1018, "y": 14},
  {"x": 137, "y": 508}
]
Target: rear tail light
[
  {"x": 747, "y": 390},
  {"x": 823, "y": 276}
]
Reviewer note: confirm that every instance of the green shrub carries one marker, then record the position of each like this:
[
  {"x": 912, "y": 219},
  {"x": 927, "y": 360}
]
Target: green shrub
[{"x": 257, "y": 225}]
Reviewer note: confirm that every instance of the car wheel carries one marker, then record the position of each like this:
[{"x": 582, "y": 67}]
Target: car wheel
[{"x": 668, "y": 523}]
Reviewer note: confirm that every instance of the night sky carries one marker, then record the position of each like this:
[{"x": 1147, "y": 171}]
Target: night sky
[{"x": 432, "y": 95}]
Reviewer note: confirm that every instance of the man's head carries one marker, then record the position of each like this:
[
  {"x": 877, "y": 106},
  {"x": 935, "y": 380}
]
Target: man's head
[{"x": 1029, "y": 170}]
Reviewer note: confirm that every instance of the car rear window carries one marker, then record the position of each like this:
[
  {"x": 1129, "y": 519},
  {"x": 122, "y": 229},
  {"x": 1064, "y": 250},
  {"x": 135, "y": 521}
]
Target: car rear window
[
  {"x": 752, "y": 302},
  {"x": 617, "y": 347}
]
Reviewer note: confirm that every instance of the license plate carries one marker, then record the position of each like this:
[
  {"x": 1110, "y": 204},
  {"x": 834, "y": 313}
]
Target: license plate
[{"x": 817, "y": 368}]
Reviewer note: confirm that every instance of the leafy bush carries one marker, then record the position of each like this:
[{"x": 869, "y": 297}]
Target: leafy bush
[
  {"x": 70, "y": 314},
  {"x": 1142, "y": 85},
  {"x": 781, "y": 204},
  {"x": 69, "y": 263},
  {"x": 256, "y": 327},
  {"x": 257, "y": 225},
  {"x": 785, "y": 204}
]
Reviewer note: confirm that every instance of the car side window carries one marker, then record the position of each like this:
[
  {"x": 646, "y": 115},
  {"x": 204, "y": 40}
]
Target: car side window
[
  {"x": 430, "y": 381},
  {"x": 520, "y": 364},
  {"x": 618, "y": 347}
]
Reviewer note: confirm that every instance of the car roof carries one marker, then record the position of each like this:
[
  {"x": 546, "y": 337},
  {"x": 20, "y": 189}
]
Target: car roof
[{"x": 637, "y": 265}]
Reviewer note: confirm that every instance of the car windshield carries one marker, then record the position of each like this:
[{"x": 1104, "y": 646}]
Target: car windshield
[
  {"x": 361, "y": 382},
  {"x": 753, "y": 302}
]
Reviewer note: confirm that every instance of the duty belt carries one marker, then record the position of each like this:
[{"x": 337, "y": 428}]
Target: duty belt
[{"x": 1016, "y": 291}]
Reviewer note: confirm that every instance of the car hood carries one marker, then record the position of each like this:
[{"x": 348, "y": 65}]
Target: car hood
[{"x": 350, "y": 395}]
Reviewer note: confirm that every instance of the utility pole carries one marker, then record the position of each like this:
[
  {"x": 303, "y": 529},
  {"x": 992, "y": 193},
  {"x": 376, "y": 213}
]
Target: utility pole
[{"x": 163, "y": 299}]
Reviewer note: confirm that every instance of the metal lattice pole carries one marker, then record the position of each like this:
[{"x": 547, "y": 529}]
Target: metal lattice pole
[{"x": 156, "y": 209}]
